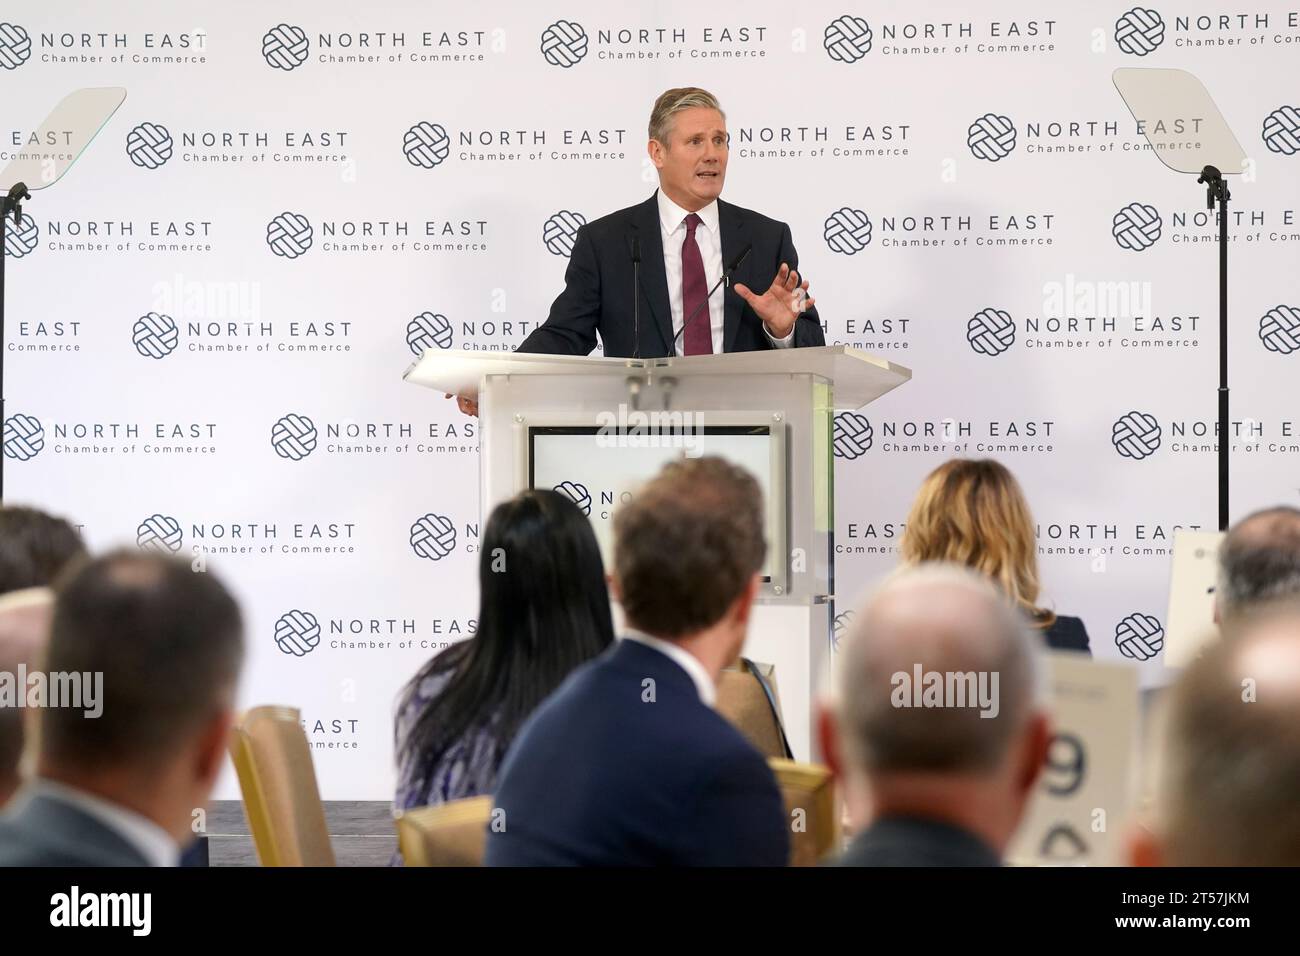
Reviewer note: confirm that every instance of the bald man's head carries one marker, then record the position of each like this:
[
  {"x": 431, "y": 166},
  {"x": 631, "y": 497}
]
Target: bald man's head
[
  {"x": 1259, "y": 561},
  {"x": 938, "y": 674},
  {"x": 1230, "y": 791}
]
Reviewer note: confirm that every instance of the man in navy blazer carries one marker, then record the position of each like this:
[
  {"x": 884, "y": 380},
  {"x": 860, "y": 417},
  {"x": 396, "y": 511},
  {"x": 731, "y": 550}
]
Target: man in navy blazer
[
  {"x": 683, "y": 239},
  {"x": 628, "y": 764}
]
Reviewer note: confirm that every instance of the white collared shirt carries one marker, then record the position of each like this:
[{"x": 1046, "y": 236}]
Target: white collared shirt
[
  {"x": 672, "y": 229},
  {"x": 149, "y": 839},
  {"x": 683, "y": 658}
]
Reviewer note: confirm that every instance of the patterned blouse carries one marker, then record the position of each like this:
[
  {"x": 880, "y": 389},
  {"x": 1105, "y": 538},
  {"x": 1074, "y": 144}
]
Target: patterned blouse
[{"x": 468, "y": 768}]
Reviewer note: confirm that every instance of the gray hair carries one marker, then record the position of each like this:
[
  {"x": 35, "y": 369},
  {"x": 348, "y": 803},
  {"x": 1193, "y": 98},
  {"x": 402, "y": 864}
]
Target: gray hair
[
  {"x": 938, "y": 618},
  {"x": 1230, "y": 784},
  {"x": 1259, "y": 561},
  {"x": 672, "y": 102}
]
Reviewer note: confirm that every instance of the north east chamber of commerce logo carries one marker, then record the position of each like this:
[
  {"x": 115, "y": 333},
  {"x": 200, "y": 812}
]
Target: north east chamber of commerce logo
[
  {"x": 1139, "y": 636},
  {"x": 1083, "y": 315},
  {"x": 1137, "y": 227},
  {"x": 853, "y": 435},
  {"x": 433, "y": 330},
  {"x": 849, "y": 230},
  {"x": 152, "y": 145},
  {"x": 560, "y": 231},
  {"x": 1273, "y": 225},
  {"x": 427, "y": 145},
  {"x": 111, "y": 236},
  {"x": 24, "y": 437},
  {"x": 822, "y": 140},
  {"x": 995, "y": 136},
  {"x": 166, "y": 534},
  {"x": 156, "y": 335},
  {"x": 566, "y": 43},
  {"x": 298, "y": 632},
  {"x": 27, "y": 437},
  {"x": 1279, "y": 329},
  {"x": 849, "y": 39},
  {"x": 1140, "y": 31},
  {"x": 577, "y": 493},
  {"x": 1139, "y": 435},
  {"x": 287, "y": 47},
  {"x": 291, "y": 235},
  {"x": 1281, "y": 132},
  {"x": 295, "y": 437},
  {"x": 73, "y": 46},
  {"x": 433, "y": 537}
]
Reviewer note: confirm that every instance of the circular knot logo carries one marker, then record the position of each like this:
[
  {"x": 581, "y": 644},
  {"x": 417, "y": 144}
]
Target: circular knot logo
[
  {"x": 22, "y": 238},
  {"x": 297, "y": 633},
  {"x": 15, "y": 46},
  {"x": 1137, "y": 226},
  {"x": 1139, "y": 31},
  {"x": 426, "y": 145},
  {"x": 1136, "y": 435},
  {"x": 1282, "y": 130},
  {"x": 847, "y": 39},
  {"x": 1279, "y": 329},
  {"x": 23, "y": 437},
  {"x": 428, "y": 330},
  {"x": 847, "y": 231},
  {"x": 159, "y": 533},
  {"x": 1139, "y": 636},
  {"x": 285, "y": 47},
  {"x": 293, "y": 437},
  {"x": 991, "y": 332},
  {"x": 577, "y": 493},
  {"x": 149, "y": 145},
  {"x": 289, "y": 235},
  {"x": 564, "y": 43},
  {"x": 561, "y": 230},
  {"x": 433, "y": 537},
  {"x": 851, "y": 435},
  {"x": 991, "y": 137},
  {"x": 155, "y": 335}
]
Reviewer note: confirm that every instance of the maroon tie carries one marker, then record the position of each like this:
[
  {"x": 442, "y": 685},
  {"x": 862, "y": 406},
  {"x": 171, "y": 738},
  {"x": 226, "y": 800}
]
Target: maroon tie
[{"x": 697, "y": 339}]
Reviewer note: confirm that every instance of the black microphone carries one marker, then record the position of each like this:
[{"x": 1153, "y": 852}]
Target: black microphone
[
  {"x": 636, "y": 297},
  {"x": 725, "y": 277}
]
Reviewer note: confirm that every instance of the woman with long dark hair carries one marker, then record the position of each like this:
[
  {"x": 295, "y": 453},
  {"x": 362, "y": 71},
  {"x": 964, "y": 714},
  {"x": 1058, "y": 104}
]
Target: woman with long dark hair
[{"x": 543, "y": 610}]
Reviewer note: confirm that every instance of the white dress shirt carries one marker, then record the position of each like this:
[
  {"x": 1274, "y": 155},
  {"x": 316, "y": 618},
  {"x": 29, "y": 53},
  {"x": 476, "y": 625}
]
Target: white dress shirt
[
  {"x": 672, "y": 227},
  {"x": 149, "y": 839},
  {"x": 688, "y": 662}
]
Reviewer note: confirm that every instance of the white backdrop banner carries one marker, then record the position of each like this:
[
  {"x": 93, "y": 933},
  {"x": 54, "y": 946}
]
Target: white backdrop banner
[{"x": 209, "y": 316}]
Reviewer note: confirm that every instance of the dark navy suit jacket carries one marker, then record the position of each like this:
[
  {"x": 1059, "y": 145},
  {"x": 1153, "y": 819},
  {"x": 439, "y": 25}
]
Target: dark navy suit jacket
[
  {"x": 597, "y": 294},
  {"x": 601, "y": 776}
]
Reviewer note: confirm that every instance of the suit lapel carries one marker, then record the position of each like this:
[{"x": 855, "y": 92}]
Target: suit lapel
[
  {"x": 735, "y": 233},
  {"x": 654, "y": 281}
]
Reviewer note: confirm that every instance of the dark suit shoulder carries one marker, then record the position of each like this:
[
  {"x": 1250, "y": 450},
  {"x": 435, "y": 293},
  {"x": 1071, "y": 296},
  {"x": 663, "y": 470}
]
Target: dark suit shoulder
[{"x": 754, "y": 219}]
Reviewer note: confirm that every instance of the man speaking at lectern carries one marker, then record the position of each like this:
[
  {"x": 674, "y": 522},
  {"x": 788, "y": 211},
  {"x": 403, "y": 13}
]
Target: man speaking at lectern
[
  {"x": 679, "y": 243},
  {"x": 685, "y": 238}
]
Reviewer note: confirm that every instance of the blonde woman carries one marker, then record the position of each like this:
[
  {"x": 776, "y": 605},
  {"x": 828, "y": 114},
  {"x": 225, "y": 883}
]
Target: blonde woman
[{"x": 974, "y": 513}]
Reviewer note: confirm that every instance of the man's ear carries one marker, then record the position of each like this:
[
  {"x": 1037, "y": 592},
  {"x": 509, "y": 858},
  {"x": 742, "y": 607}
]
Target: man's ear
[
  {"x": 655, "y": 150},
  {"x": 828, "y": 739},
  {"x": 615, "y": 588},
  {"x": 744, "y": 603},
  {"x": 212, "y": 747},
  {"x": 1038, "y": 738}
]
